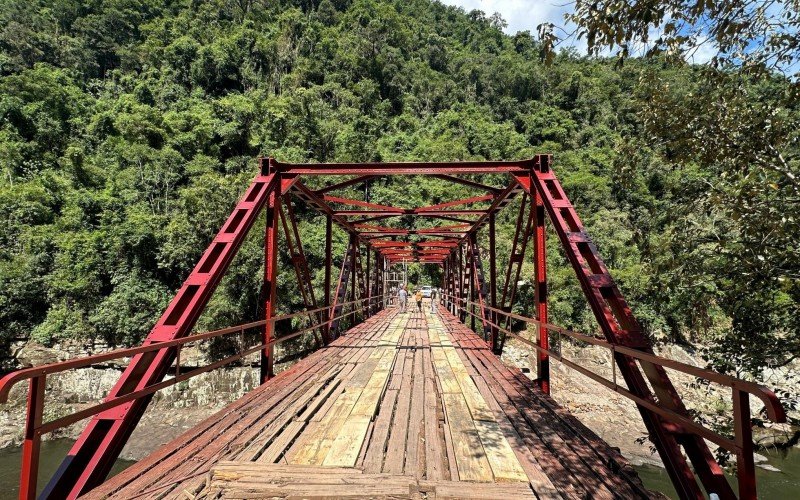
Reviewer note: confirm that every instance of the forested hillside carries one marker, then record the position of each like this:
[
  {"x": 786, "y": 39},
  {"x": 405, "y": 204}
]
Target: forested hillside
[{"x": 128, "y": 128}]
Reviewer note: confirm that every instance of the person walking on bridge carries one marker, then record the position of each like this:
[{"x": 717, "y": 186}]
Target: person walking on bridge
[
  {"x": 433, "y": 301},
  {"x": 402, "y": 298},
  {"x": 418, "y": 298}
]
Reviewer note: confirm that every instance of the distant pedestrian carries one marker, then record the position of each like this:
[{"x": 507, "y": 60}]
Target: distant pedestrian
[
  {"x": 418, "y": 298},
  {"x": 402, "y": 298},
  {"x": 433, "y": 301}
]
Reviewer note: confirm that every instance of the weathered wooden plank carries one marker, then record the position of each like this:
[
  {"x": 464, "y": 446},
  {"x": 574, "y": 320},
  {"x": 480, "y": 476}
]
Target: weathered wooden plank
[
  {"x": 347, "y": 445},
  {"x": 416, "y": 417},
  {"x": 451, "y": 490},
  {"x": 435, "y": 466},
  {"x": 279, "y": 445},
  {"x": 376, "y": 447},
  {"x": 469, "y": 453},
  {"x": 539, "y": 480},
  {"x": 395, "y": 451},
  {"x": 314, "y": 444},
  {"x": 502, "y": 460}
]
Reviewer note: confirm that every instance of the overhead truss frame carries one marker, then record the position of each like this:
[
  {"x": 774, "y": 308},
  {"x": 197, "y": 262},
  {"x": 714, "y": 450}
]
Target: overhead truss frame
[{"x": 452, "y": 244}]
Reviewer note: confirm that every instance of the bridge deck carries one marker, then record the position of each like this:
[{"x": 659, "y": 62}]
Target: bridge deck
[{"x": 402, "y": 405}]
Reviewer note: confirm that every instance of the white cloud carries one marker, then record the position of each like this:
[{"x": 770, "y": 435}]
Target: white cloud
[{"x": 520, "y": 15}]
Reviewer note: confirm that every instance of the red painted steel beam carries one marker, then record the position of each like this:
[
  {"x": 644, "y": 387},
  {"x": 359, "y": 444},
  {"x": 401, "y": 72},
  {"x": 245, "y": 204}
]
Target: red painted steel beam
[
  {"x": 480, "y": 290},
  {"x": 328, "y": 265},
  {"x": 467, "y": 182},
  {"x": 344, "y": 184},
  {"x": 403, "y": 168},
  {"x": 271, "y": 251},
  {"x": 455, "y": 203},
  {"x": 91, "y": 458},
  {"x": 371, "y": 219},
  {"x": 317, "y": 202},
  {"x": 493, "y": 279},
  {"x": 540, "y": 292},
  {"x": 339, "y": 298},
  {"x": 458, "y": 228},
  {"x": 406, "y": 211},
  {"x": 522, "y": 233},
  {"x": 385, "y": 215},
  {"x": 359, "y": 203},
  {"x": 300, "y": 262},
  {"x": 391, "y": 241}
]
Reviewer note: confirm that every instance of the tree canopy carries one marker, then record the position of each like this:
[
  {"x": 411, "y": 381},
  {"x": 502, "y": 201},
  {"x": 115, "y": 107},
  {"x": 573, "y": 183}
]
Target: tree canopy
[{"x": 128, "y": 128}]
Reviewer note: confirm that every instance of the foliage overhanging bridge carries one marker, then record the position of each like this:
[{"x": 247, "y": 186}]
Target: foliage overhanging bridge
[{"x": 414, "y": 403}]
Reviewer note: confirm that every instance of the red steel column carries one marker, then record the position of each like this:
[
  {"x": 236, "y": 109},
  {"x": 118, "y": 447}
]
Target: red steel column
[
  {"x": 493, "y": 280},
  {"x": 270, "y": 279},
  {"x": 353, "y": 279},
  {"x": 368, "y": 304},
  {"x": 461, "y": 295},
  {"x": 540, "y": 293},
  {"x": 743, "y": 430},
  {"x": 33, "y": 440},
  {"x": 328, "y": 263}
]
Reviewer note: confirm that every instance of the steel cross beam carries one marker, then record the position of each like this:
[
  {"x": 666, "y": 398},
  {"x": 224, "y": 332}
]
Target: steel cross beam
[
  {"x": 522, "y": 234},
  {"x": 344, "y": 184},
  {"x": 479, "y": 285},
  {"x": 402, "y": 168},
  {"x": 359, "y": 203},
  {"x": 620, "y": 327},
  {"x": 341, "y": 288},
  {"x": 299, "y": 262}
]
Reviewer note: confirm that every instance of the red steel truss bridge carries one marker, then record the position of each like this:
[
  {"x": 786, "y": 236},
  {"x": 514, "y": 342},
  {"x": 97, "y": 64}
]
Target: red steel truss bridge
[{"x": 391, "y": 403}]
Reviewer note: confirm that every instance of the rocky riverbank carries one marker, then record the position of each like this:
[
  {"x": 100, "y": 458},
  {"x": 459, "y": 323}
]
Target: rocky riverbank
[
  {"x": 615, "y": 418},
  {"x": 172, "y": 411}
]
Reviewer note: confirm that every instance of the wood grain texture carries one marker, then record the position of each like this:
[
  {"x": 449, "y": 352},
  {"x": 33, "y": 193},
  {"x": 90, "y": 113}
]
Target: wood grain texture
[{"x": 402, "y": 406}]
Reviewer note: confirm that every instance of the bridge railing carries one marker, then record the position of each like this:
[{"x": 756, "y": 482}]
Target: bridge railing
[
  {"x": 35, "y": 428},
  {"x": 740, "y": 445}
]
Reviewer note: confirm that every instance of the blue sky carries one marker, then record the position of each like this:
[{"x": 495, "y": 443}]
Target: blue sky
[
  {"x": 520, "y": 14},
  {"x": 528, "y": 14}
]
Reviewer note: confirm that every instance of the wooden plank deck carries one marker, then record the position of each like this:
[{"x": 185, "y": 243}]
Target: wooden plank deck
[{"x": 402, "y": 406}]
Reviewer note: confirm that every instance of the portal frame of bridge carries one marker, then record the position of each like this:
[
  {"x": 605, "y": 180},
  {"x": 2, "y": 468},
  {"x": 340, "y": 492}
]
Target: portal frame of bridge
[{"x": 455, "y": 248}]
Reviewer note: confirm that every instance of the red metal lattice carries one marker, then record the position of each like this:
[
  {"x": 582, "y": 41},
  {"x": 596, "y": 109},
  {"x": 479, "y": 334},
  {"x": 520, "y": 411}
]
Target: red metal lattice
[{"x": 375, "y": 246}]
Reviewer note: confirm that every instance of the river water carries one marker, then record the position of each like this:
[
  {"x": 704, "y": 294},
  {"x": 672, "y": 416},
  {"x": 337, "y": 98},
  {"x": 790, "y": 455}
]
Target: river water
[
  {"x": 771, "y": 485},
  {"x": 52, "y": 453}
]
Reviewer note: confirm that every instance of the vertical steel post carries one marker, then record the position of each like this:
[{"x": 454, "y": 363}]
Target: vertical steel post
[
  {"x": 443, "y": 285},
  {"x": 33, "y": 440},
  {"x": 540, "y": 293},
  {"x": 270, "y": 279},
  {"x": 328, "y": 264},
  {"x": 353, "y": 284},
  {"x": 743, "y": 431},
  {"x": 493, "y": 280},
  {"x": 470, "y": 270},
  {"x": 461, "y": 292},
  {"x": 454, "y": 283},
  {"x": 368, "y": 305}
]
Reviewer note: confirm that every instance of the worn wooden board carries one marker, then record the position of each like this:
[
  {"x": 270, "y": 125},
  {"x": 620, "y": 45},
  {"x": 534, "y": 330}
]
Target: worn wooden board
[{"x": 417, "y": 401}]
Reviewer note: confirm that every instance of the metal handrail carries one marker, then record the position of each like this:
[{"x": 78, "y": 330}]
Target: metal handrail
[
  {"x": 37, "y": 376},
  {"x": 742, "y": 443},
  {"x": 11, "y": 379}
]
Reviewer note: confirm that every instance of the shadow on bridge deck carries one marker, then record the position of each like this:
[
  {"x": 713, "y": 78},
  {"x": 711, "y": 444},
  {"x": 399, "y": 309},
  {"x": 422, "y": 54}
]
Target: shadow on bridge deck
[{"x": 403, "y": 405}]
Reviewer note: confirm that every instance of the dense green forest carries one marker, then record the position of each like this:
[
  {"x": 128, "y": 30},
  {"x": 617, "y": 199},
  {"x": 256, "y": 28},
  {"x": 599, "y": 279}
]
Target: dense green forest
[{"x": 128, "y": 128}]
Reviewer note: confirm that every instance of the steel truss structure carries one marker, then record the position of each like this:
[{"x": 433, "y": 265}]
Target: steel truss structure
[{"x": 373, "y": 248}]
